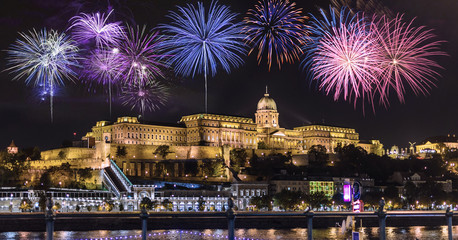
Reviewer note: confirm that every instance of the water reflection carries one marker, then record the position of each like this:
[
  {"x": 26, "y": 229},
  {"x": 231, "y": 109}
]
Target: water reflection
[{"x": 207, "y": 234}]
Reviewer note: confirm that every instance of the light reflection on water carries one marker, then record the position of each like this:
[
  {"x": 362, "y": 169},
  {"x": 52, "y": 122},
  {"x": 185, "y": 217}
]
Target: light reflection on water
[{"x": 392, "y": 233}]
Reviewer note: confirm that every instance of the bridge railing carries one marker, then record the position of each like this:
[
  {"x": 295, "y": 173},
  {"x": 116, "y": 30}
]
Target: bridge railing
[{"x": 231, "y": 216}]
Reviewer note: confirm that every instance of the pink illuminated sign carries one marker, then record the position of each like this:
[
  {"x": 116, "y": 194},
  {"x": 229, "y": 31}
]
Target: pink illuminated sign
[{"x": 346, "y": 193}]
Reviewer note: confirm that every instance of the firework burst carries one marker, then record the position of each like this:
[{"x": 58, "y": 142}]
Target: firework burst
[
  {"x": 345, "y": 56},
  {"x": 103, "y": 67},
  {"x": 144, "y": 96},
  {"x": 142, "y": 55},
  {"x": 95, "y": 27},
  {"x": 278, "y": 28},
  {"x": 407, "y": 53},
  {"x": 44, "y": 58},
  {"x": 200, "y": 41}
]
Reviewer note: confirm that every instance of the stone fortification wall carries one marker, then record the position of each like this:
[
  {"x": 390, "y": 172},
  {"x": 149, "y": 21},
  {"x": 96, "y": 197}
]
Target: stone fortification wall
[
  {"x": 176, "y": 152},
  {"x": 75, "y": 163},
  {"x": 70, "y": 153}
]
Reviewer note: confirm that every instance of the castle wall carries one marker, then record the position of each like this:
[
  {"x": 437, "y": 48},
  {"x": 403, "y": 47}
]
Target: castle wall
[{"x": 71, "y": 153}]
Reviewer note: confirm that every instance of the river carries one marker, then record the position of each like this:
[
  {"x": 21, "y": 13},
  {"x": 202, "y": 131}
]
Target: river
[{"x": 393, "y": 233}]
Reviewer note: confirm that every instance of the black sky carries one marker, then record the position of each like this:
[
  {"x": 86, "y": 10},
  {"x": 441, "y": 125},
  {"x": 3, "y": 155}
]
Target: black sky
[{"x": 27, "y": 121}]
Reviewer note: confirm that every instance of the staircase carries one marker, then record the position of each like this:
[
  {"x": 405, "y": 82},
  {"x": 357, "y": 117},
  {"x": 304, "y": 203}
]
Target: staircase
[{"x": 115, "y": 180}]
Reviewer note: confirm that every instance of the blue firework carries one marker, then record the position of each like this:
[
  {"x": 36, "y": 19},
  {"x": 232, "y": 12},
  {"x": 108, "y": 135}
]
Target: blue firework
[
  {"x": 278, "y": 28},
  {"x": 201, "y": 41},
  {"x": 44, "y": 58}
]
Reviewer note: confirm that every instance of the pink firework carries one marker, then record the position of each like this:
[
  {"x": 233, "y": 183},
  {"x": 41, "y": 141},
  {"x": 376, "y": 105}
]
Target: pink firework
[
  {"x": 346, "y": 61},
  {"x": 407, "y": 53}
]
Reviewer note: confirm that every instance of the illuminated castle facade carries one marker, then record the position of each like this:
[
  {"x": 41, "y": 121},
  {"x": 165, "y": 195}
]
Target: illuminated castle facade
[{"x": 236, "y": 132}]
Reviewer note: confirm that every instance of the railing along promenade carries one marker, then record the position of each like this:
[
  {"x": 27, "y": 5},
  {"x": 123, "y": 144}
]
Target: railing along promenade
[{"x": 230, "y": 215}]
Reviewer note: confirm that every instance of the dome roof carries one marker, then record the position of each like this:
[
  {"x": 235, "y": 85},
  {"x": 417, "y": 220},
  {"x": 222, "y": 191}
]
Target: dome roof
[{"x": 267, "y": 103}]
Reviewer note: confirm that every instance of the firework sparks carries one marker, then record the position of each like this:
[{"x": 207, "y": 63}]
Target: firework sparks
[
  {"x": 407, "y": 52},
  {"x": 347, "y": 62},
  {"x": 95, "y": 26},
  {"x": 200, "y": 41},
  {"x": 44, "y": 58},
  {"x": 368, "y": 7},
  {"x": 345, "y": 56},
  {"x": 144, "y": 96},
  {"x": 104, "y": 67},
  {"x": 142, "y": 55},
  {"x": 278, "y": 28}
]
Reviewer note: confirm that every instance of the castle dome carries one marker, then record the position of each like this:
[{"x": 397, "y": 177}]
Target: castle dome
[{"x": 267, "y": 103}]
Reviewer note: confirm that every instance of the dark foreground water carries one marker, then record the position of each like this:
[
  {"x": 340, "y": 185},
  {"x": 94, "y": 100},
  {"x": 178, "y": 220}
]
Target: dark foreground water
[{"x": 296, "y": 233}]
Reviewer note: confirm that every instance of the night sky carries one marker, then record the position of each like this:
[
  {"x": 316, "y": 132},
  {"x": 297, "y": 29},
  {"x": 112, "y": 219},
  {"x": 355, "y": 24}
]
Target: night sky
[{"x": 26, "y": 120}]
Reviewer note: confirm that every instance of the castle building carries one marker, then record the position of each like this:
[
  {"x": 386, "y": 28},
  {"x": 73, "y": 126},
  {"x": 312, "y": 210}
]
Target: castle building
[
  {"x": 439, "y": 144},
  {"x": 237, "y": 132}
]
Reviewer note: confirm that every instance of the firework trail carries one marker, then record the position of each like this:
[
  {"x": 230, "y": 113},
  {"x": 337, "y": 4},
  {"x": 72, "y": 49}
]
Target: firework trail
[
  {"x": 95, "y": 27},
  {"x": 278, "y": 28},
  {"x": 144, "y": 96},
  {"x": 200, "y": 41},
  {"x": 43, "y": 58}
]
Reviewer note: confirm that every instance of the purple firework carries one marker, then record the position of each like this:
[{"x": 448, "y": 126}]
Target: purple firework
[
  {"x": 144, "y": 96},
  {"x": 141, "y": 54},
  {"x": 104, "y": 67},
  {"x": 95, "y": 27}
]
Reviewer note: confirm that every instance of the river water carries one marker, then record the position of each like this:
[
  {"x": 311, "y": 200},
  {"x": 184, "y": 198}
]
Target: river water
[{"x": 436, "y": 233}]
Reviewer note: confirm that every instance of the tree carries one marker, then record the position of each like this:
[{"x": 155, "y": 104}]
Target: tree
[
  {"x": 109, "y": 205},
  {"x": 411, "y": 192},
  {"x": 318, "y": 156},
  {"x": 167, "y": 204},
  {"x": 262, "y": 202},
  {"x": 146, "y": 203},
  {"x": 162, "y": 151},
  {"x": 351, "y": 159},
  {"x": 41, "y": 199},
  {"x": 238, "y": 159},
  {"x": 78, "y": 208},
  {"x": 36, "y": 154},
  {"x": 317, "y": 199},
  {"x": 62, "y": 155},
  {"x": 262, "y": 145},
  {"x": 26, "y": 205},
  {"x": 57, "y": 206},
  {"x": 85, "y": 173},
  {"x": 288, "y": 200},
  {"x": 201, "y": 202},
  {"x": 89, "y": 208},
  {"x": 212, "y": 167},
  {"x": 13, "y": 165},
  {"x": 121, "y": 207},
  {"x": 121, "y": 151}
]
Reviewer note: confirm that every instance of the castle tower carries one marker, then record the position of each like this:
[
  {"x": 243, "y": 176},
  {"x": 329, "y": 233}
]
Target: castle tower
[
  {"x": 12, "y": 148},
  {"x": 266, "y": 113}
]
